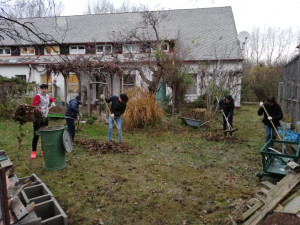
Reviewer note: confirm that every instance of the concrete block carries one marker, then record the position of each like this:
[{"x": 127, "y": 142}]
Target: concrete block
[
  {"x": 33, "y": 178},
  {"x": 36, "y": 193},
  {"x": 30, "y": 219},
  {"x": 51, "y": 213}
]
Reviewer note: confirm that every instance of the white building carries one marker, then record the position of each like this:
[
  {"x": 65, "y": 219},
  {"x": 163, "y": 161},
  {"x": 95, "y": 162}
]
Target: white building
[{"x": 208, "y": 36}]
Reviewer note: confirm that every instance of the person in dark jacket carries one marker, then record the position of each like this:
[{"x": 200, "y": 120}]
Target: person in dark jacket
[
  {"x": 71, "y": 114},
  {"x": 226, "y": 105},
  {"x": 118, "y": 106},
  {"x": 275, "y": 114}
]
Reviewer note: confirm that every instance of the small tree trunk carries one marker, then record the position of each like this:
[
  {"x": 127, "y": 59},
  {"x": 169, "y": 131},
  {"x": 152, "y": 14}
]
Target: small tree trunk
[
  {"x": 174, "y": 100},
  {"x": 66, "y": 89}
]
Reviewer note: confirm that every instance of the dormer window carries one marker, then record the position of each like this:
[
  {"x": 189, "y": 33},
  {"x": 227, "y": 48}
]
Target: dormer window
[
  {"x": 51, "y": 50},
  {"x": 5, "y": 51},
  {"x": 27, "y": 51},
  {"x": 131, "y": 48},
  {"x": 103, "y": 49},
  {"x": 77, "y": 49},
  {"x": 165, "y": 46}
]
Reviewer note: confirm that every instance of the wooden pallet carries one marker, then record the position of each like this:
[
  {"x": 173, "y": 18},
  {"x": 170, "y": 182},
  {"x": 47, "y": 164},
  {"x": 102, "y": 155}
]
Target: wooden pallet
[{"x": 268, "y": 198}]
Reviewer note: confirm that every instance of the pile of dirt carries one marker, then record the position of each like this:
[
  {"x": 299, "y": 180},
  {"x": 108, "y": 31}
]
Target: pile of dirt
[
  {"x": 27, "y": 113},
  {"x": 92, "y": 145},
  {"x": 212, "y": 136},
  {"x": 280, "y": 219}
]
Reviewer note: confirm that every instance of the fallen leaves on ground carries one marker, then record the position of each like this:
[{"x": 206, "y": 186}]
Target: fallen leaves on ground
[
  {"x": 212, "y": 136},
  {"x": 92, "y": 145}
]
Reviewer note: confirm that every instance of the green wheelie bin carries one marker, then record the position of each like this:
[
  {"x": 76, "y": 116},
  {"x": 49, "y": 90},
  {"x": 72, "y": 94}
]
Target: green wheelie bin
[{"x": 55, "y": 141}]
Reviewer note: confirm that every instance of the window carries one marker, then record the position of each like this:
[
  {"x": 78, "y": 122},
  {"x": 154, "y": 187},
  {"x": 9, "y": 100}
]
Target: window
[
  {"x": 73, "y": 83},
  {"x": 103, "y": 48},
  {"x": 47, "y": 80},
  {"x": 192, "y": 89},
  {"x": 51, "y": 50},
  {"x": 128, "y": 81},
  {"x": 5, "y": 51},
  {"x": 21, "y": 77},
  {"x": 27, "y": 51},
  {"x": 165, "y": 46},
  {"x": 131, "y": 48},
  {"x": 77, "y": 49}
]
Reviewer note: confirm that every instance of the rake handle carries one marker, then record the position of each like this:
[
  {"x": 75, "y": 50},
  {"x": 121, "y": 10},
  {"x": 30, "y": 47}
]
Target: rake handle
[
  {"x": 272, "y": 123},
  {"x": 228, "y": 124}
]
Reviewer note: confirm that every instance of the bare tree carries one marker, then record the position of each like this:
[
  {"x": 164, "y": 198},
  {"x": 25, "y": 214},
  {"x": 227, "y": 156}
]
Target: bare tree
[
  {"x": 105, "y": 6},
  {"x": 31, "y": 8},
  {"x": 266, "y": 48},
  {"x": 218, "y": 78},
  {"x": 160, "y": 62}
]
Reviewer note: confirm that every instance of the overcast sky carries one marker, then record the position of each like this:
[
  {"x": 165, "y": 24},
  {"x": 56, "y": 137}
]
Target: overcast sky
[{"x": 247, "y": 13}]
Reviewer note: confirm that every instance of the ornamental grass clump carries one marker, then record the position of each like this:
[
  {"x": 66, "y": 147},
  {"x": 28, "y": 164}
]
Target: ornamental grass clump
[{"x": 141, "y": 110}]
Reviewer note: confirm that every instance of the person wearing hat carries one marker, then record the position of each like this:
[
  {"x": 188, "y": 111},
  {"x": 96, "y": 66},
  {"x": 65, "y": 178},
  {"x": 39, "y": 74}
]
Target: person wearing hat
[
  {"x": 272, "y": 112},
  {"x": 71, "y": 114},
  {"x": 118, "y": 106},
  {"x": 226, "y": 105},
  {"x": 41, "y": 101}
]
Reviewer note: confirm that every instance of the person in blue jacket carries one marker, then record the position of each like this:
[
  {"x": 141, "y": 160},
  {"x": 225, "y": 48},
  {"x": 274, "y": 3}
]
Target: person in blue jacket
[
  {"x": 72, "y": 113},
  {"x": 226, "y": 105}
]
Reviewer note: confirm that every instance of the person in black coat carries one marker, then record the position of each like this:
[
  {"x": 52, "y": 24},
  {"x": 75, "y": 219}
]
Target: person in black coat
[
  {"x": 118, "y": 106},
  {"x": 226, "y": 105},
  {"x": 71, "y": 114},
  {"x": 275, "y": 114}
]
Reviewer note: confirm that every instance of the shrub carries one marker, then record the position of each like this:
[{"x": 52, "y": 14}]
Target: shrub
[{"x": 141, "y": 109}]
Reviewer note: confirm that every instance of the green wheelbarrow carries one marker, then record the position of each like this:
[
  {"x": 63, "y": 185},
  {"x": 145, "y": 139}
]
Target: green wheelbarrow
[{"x": 275, "y": 156}]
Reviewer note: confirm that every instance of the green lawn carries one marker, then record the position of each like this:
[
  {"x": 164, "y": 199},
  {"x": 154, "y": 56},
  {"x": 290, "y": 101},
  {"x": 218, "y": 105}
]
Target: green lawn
[{"x": 170, "y": 176}]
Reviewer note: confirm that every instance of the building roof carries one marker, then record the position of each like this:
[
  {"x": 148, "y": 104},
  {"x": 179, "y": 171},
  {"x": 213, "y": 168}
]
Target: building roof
[{"x": 203, "y": 33}]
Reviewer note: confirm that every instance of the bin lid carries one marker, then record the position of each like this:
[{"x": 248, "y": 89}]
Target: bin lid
[{"x": 67, "y": 140}]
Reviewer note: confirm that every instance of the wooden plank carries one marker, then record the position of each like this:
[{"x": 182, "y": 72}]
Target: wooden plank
[
  {"x": 232, "y": 220},
  {"x": 268, "y": 184},
  {"x": 278, "y": 193},
  {"x": 252, "y": 210}
]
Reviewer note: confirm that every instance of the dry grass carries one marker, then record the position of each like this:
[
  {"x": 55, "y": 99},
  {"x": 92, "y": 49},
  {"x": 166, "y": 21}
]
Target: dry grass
[{"x": 141, "y": 109}]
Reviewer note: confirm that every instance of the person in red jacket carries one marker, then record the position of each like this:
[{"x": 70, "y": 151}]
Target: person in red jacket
[{"x": 41, "y": 100}]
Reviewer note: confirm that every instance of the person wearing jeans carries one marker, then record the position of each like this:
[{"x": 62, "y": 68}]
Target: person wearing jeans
[
  {"x": 118, "y": 106},
  {"x": 111, "y": 126},
  {"x": 272, "y": 112}
]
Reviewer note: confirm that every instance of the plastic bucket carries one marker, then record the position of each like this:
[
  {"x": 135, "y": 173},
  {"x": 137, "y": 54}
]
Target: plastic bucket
[{"x": 54, "y": 150}]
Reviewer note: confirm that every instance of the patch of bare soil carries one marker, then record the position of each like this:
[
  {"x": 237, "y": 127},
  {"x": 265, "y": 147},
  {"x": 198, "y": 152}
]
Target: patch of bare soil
[
  {"x": 280, "y": 219},
  {"x": 212, "y": 136},
  {"x": 92, "y": 145}
]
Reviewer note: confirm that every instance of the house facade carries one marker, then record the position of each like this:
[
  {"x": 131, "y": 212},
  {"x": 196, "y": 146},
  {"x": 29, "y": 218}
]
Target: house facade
[
  {"x": 207, "y": 38},
  {"x": 289, "y": 89}
]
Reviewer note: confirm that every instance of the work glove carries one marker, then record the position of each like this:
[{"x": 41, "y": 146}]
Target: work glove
[
  {"x": 269, "y": 118},
  {"x": 112, "y": 116},
  {"x": 261, "y": 104},
  {"x": 102, "y": 96},
  {"x": 53, "y": 104}
]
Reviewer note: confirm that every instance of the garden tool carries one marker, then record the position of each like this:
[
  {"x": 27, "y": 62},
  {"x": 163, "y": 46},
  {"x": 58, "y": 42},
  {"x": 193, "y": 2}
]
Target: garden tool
[
  {"x": 272, "y": 123},
  {"x": 115, "y": 123},
  {"x": 230, "y": 129}
]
